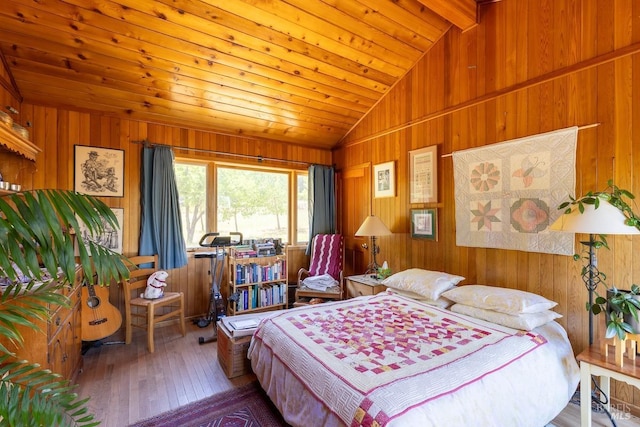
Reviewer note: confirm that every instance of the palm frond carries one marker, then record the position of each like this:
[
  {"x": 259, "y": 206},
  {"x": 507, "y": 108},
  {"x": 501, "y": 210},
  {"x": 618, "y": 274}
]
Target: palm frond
[
  {"x": 39, "y": 254},
  {"x": 38, "y": 228},
  {"x": 31, "y": 396}
]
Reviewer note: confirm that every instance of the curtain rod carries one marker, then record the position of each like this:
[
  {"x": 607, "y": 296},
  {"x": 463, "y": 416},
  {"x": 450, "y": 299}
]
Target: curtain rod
[
  {"x": 260, "y": 159},
  {"x": 579, "y": 128}
]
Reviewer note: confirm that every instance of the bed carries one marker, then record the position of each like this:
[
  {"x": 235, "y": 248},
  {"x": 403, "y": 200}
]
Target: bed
[{"x": 389, "y": 360}]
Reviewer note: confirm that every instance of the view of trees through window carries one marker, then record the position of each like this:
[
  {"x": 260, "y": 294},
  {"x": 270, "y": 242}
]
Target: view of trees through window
[
  {"x": 250, "y": 201},
  {"x": 254, "y": 203},
  {"x": 192, "y": 188}
]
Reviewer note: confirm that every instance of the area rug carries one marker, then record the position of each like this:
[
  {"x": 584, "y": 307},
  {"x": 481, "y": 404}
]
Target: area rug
[{"x": 247, "y": 406}]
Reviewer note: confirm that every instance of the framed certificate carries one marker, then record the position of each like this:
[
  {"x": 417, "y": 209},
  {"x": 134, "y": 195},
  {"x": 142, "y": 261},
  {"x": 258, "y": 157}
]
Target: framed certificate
[{"x": 423, "y": 175}]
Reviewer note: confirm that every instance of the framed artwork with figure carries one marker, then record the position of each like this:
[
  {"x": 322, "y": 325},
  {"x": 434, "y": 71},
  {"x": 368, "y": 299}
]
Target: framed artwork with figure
[
  {"x": 98, "y": 171},
  {"x": 110, "y": 238},
  {"x": 384, "y": 180}
]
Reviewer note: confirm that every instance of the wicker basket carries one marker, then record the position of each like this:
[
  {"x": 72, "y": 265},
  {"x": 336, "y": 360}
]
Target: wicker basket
[{"x": 232, "y": 353}]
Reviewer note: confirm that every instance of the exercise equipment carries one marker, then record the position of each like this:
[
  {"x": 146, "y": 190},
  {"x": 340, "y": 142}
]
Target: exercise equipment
[{"x": 217, "y": 307}]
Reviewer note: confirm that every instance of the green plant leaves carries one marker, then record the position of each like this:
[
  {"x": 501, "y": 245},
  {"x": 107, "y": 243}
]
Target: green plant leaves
[{"x": 38, "y": 245}]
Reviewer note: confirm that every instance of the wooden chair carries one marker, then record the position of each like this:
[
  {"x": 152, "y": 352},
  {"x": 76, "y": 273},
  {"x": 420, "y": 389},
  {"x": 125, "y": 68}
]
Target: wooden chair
[
  {"x": 326, "y": 258},
  {"x": 140, "y": 312}
]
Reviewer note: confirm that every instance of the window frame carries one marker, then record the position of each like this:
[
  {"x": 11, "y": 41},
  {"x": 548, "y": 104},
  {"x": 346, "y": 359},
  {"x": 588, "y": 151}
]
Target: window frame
[{"x": 212, "y": 190}]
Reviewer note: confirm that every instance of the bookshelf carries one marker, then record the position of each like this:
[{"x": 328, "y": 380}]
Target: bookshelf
[{"x": 256, "y": 282}]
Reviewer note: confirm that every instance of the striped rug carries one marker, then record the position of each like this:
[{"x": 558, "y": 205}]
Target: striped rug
[{"x": 247, "y": 406}]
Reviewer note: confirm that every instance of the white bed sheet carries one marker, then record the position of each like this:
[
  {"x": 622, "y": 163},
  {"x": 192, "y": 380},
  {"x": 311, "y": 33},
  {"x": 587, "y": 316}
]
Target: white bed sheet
[{"x": 527, "y": 391}]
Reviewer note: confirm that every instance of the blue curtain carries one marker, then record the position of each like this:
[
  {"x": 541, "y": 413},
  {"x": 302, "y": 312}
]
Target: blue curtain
[
  {"x": 161, "y": 225},
  {"x": 322, "y": 202}
]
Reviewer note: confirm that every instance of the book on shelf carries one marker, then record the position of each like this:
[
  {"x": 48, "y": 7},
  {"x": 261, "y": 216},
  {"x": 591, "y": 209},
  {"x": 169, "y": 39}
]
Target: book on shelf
[{"x": 258, "y": 296}]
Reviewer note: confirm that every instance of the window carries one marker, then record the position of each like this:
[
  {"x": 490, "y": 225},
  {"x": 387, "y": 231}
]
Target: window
[
  {"x": 191, "y": 180},
  {"x": 255, "y": 202}
]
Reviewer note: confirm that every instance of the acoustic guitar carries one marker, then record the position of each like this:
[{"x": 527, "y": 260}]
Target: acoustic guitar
[{"x": 99, "y": 317}]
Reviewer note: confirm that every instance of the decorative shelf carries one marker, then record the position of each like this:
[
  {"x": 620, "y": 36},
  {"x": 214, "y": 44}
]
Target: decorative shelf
[{"x": 11, "y": 141}]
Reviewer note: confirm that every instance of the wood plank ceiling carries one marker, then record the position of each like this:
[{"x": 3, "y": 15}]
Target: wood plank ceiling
[{"x": 301, "y": 71}]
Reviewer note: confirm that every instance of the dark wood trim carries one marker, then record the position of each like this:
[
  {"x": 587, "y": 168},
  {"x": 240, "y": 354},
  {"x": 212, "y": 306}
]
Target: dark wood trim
[{"x": 10, "y": 85}]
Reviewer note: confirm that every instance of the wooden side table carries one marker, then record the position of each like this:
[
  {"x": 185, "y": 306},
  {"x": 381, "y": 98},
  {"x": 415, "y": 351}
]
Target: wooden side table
[
  {"x": 363, "y": 285},
  {"x": 593, "y": 362}
]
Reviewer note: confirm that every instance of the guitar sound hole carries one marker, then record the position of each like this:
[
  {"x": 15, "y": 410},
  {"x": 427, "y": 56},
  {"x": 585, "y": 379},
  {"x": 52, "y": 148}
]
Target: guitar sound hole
[{"x": 93, "y": 302}]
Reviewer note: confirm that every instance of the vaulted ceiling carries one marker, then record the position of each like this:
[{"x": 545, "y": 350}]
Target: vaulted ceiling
[{"x": 301, "y": 71}]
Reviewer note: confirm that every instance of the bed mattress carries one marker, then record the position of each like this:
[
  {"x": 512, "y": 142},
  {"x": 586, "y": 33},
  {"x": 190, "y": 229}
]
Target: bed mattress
[{"x": 387, "y": 360}]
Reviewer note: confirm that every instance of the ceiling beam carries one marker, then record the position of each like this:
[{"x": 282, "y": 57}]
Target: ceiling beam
[
  {"x": 7, "y": 81},
  {"x": 461, "y": 13}
]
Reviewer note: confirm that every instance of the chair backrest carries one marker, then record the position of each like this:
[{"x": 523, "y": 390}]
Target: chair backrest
[
  {"x": 138, "y": 276},
  {"x": 326, "y": 255}
]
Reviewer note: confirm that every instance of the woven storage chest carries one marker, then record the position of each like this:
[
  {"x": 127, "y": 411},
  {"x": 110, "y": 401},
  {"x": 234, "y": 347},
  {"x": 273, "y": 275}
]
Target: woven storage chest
[{"x": 232, "y": 353}]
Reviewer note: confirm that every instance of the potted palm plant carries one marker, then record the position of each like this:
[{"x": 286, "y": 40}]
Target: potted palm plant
[
  {"x": 36, "y": 238},
  {"x": 621, "y": 306}
]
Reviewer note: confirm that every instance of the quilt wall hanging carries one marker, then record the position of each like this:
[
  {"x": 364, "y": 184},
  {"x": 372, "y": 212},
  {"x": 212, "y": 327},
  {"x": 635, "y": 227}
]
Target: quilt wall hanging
[{"x": 507, "y": 194}]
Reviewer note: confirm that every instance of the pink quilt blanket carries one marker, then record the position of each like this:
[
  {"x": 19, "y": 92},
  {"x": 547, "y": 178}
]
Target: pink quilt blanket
[{"x": 371, "y": 360}]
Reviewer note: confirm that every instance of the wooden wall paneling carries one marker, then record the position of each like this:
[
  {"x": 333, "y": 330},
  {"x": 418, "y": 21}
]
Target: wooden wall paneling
[
  {"x": 623, "y": 160},
  {"x": 61, "y": 157},
  {"x": 56, "y": 131},
  {"x": 577, "y": 316},
  {"x": 73, "y": 137},
  {"x": 549, "y": 35},
  {"x": 355, "y": 179},
  {"x": 559, "y": 283},
  {"x": 50, "y": 124}
]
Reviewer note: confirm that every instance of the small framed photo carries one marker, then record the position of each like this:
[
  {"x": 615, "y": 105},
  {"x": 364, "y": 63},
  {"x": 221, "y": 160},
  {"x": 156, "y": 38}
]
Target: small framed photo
[
  {"x": 424, "y": 224},
  {"x": 111, "y": 238},
  {"x": 98, "y": 171},
  {"x": 384, "y": 180},
  {"x": 423, "y": 175}
]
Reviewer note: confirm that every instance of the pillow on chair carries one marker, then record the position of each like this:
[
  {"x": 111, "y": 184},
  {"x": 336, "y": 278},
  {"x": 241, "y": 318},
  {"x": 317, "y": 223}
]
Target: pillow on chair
[{"x": 327, "y": 255}]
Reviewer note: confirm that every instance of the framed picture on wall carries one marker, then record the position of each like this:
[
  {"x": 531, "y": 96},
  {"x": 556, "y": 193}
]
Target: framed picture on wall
[
  {"x": 110, "y": 238},
  {"x": 384, "y": 180},
  {"x": 98, "y": 171},
  {"x": 424, "y": 224},
  {"x": 423, "y": 175}
]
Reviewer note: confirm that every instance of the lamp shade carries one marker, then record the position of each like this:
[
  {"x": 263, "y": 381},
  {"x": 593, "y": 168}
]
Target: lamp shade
[
  {"x": 606, "y": 219},
  {"x": 373, "y": 226}
]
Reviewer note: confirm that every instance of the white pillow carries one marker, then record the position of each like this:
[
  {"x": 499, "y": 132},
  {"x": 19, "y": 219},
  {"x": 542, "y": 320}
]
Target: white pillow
[
  {"x": 504, "y": 300},
  {"x": 429, "y": 284},
  {"x": 441, "y": 302},
  {"x": 526, "y": 322}
]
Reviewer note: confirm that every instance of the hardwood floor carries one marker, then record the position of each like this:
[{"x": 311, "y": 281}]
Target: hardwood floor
[{"x": 126, "y": 383}]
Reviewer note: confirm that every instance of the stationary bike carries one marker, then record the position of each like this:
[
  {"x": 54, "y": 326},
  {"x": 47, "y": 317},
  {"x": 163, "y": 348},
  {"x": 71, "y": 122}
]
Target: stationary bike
[{"x": 217, "y": 306}]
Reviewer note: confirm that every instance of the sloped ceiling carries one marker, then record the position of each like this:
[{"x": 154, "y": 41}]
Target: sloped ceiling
[{"x": 301, "y": 71}]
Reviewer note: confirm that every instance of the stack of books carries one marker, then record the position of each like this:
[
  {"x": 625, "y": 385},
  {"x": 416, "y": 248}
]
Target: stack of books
[
  {"x": 244, "y": 251},
  {"x": 244, "y": 325}
]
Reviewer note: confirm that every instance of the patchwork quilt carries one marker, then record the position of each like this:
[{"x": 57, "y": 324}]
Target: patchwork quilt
[{"x": 374, "y": 359}]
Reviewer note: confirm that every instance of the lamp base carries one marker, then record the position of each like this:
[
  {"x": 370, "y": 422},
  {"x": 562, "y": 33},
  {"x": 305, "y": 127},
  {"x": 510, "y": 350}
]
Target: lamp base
[{"x": 372, "y": 269}]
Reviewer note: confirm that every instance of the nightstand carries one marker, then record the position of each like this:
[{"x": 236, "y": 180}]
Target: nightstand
[
  {"x": 593, "y": 362},
  {"x": 363, "y": 285}
]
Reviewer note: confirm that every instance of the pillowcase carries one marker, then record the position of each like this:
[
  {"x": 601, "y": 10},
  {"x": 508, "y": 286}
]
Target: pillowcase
[
  {"x": 504, "y": 300},
  {"x": 441, "y": 302},
  {"x": 526, "y": 322},
  {"x": 429, "y": 284}
]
